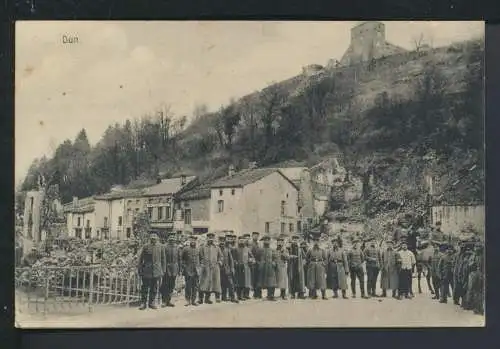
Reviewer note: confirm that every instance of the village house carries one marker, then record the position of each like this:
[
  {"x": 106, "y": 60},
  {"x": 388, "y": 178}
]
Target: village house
[
  {"x": 262, "y": 200},
  {"x": 80, "y": 218},
  {"x": 192, "y": 214},
  {"x": 114, "y": 212},
  {"x": 160, "y": 203}
]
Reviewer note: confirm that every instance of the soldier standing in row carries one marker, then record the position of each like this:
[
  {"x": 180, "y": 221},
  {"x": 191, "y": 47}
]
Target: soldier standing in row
[
  {"x": 151, "y": 268},
  {"x": 210, "y": 261},
  {"x": 458, "y": 260},
  {"x": 389, "y": 273},
  {"x": 267, "y": 261},
  {"x": 172, "y": 257},
  {"x": 372, "y": 256},
  {"x": 254, "y": 248},
  {"x": 434, "y": 271},
  {"x": 296, "y": 262},
  {"x": 475, "y": 286},
  {"x": 282, "y": 266},
  {"x": 316, "y": 270},
  {"x": 190, "y": 265},
  {"x": 227, "y": 270},
  {"x": 356, "y": 258},
  {"x": 445, "y": 267},
  {"x": 463, "y": 274},
  {"x": 337, "y": 270},
  {"x": 243, "y": 258}
]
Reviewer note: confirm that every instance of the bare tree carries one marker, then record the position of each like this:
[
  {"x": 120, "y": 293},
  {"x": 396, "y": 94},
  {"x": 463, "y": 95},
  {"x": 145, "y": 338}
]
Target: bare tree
[{"x": 422, "y": 41}]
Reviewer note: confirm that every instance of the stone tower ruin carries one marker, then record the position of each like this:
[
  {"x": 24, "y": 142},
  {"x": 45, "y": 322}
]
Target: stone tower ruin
[{"x": 368, "y": 42}]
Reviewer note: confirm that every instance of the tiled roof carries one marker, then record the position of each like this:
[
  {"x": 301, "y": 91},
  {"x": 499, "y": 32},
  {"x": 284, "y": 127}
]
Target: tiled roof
[
  {"x": 83, "y": 205},
  {"x": 245, "y": 177},
  {"x": 167, "y": 186},
  {"x": 293, "y": 173},
  {"x": 120, "y": 194},
  {"x": 201, "y": 191}
]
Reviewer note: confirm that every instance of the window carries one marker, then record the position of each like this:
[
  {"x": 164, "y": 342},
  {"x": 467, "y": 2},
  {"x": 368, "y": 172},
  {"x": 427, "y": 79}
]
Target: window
[
  {"x": 106, "y": 234},
  {"x": 299, "y": 226},
  {"x": 282, "y": 228},
  {"x": 160, "y": 213},
  {"x": 291, "y": 227},
  {"x": 78, "y": 233},
  {"x": 88, "y": 233},
  {"x": 105, "y": 222},
  {"x": 129, "y": 233},
  {"x": 88, "y": 223},
  {"x": 220, "y": 206},
  {"x": 120, "y": 221},
  {"x": 283, "y": 211},
  {"x": 266, "y": 228},
  {"x": 187, "y": 216},
  {"x": 168, "y": 213},
  {"x": 233, "y": 191},
  {"x": 150, "y": 212},
  {"x": 220, "y": 192},
  {"x": 79, "y": 221}
]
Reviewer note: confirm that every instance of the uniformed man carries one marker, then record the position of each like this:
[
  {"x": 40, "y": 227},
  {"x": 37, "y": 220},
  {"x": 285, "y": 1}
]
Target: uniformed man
[
  {"x": 434, "y": 270},
  {"x": 463, "y": 274},
  {"x": 475, "y": 285},
  {"x": 254, "y": 248},
  {"x": 337, "y": 269},
  {"x": 267, "y": 260},
  {"x": 372, "y": 256},
  {"x": 296, "y": 264},
  {"x": 210, "y": 262},
  {"x": 445, "y": 267},
  {"x": 423, "y": 257},
  {"x": 316, "y": 270},
  {"x": 151, "y": 268},
  {"x": 201, "y": 295},
  {"x": 389, "y": 277},
  {"x": 190, "y": 265},
  {"x": 282, "y": 266},
  {"x": 356, "y": 258},
  {"x": 460, "y": 271},
  {"x": 243, "y": 258},
  {"x": 227, "y": 271},
  {"x": 172, "y": 259}
]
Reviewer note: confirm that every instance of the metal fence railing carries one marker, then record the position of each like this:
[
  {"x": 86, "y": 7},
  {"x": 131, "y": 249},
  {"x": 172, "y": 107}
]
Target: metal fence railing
[{"x": 52, "y": 289}]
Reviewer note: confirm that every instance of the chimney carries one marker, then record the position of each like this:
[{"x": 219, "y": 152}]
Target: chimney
[
  {"x": 183, "y": 179},
  {"x": 231, "y": 170},
  {"x": 75, "y": 201}
]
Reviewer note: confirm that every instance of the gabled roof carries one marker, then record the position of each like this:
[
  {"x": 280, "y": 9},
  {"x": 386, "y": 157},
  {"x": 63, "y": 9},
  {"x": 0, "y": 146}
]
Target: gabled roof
[
  {"x": 200, "y": 191},
  {"x": 82, "y": 206},
  {"x": 120, "y": 194},
  {"x": 245, "y": 177},
  {"x": 168, "y": 186}
]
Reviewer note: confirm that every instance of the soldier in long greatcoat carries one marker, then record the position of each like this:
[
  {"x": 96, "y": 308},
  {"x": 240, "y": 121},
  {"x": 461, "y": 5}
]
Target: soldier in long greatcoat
[
  {"x": 445, "y": 267},
  {"x": 210, "y": 261},
  {"x": 267, "y": 261},
  {"x": 282, "y": 267},
  {"x": 151, "y": 267},
  {"x": 305, "y": 249},
  {"x": 316, "y": 270},
  {"x": 190, "y": 266},
  {"x": 463, "y": 273},
  {"x": 296, "y": 262},
  {"x": 475, "y": 286},
  {"x": 227, "y": 271},
  {"x": 243, "y": 258},
  {"x": 254, "y": 248},
  {"x": 172, "y": 260},
  {"x": 337, "y": 270},
  {"x": 389, "y": 271},
  {"x": 434, "y": 271}
]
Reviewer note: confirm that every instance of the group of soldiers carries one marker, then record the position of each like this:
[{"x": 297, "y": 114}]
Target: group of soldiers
[{"x": 231, "y": 267}]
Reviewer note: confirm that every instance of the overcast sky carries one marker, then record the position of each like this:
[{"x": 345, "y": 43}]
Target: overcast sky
[{"x": 121, "y": 70}]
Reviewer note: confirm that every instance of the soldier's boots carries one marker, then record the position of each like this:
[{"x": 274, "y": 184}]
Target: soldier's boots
[
  {"x": 335, "y": 294},
  {"x": 301, "y": 295},
  {"x": 283, "y": 294},
  {"x": 344, "y": 295},
  {"x": 207, "y": 298},
  {"x": 143, "y": 307},
  {"x": 323, "y": 295},
  {"x": 384, "y": 293},
  {"x": 270, "y": 294},
  {"x": 201, "y": 297},
  {"x": 153, "y": 306}
]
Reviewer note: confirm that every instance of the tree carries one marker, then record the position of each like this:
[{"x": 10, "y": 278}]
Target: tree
[{"x": 268, "y": 109}]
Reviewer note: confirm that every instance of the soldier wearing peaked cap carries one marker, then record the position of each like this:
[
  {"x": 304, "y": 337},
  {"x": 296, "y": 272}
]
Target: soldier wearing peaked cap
[
  {"x": 190, "y": 265},
  {"x": 282, "y": 266},
  {"x": 243, "y": 259},
  {"x": 372, "y": 257},
  {"x": 210, "y": 261},
  {"x": 445, "y": 269},
  {"x": 434, "y": 270},
  {"x": 296, "y": 263},
  {"x": 474, "y": 299},
  {"x": 337, "y": 269},
  {"x": 151, "y": 267},
  {"x": 254, "y": 248},
  {"x": 227, "y": 270},
  {"x": 389, "y": 276},
  {"x": 356, "y": 258},
  {"x": 172, "y": 260},
  {"x": 316, "y": 259},
  {"x": 267, "y": 262}
]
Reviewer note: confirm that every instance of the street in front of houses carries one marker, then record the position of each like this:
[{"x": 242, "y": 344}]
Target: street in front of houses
[{"x": 421, "y": 311}]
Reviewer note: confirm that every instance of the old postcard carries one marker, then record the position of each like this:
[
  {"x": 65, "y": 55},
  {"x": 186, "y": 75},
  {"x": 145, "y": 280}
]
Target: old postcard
[{"x": 249, "y": 174}]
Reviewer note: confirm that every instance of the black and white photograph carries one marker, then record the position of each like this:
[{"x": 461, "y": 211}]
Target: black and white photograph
[{"x": 249, "y": 174}]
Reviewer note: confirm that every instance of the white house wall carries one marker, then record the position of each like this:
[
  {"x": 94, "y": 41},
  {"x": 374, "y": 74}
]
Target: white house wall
[
  {"x": 262, "y": 203},
  {"x": 454, "y": 218},
  {"x": 230, "y": 218}
]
